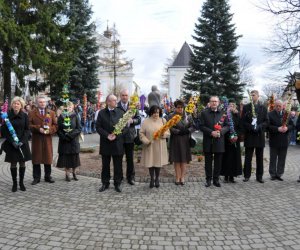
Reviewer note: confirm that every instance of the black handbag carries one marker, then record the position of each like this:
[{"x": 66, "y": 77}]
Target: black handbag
[{"x": 192, "y": 141}]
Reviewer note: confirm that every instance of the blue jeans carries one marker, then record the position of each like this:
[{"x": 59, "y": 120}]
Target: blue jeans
[
  {"x": 293, "y": 135},
  {"x": 87, "y": 127}
]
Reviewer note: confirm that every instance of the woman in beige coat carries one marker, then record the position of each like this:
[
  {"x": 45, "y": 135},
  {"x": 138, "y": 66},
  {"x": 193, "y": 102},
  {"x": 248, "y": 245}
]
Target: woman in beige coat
[{"x": 154, "y": 152}]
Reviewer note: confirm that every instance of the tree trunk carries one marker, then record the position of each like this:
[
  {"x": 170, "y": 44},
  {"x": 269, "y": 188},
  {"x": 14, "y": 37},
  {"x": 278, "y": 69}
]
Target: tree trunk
[{"x": 7, "y": 66}]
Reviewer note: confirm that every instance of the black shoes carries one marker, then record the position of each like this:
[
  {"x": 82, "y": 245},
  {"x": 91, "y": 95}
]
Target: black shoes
[
  {"x": 279, "y": 178},
  {"x": 118, "y": 188},
  {"x": 217, "y": 183},
  {"x": 273, "y": 178},
  {"x": 35, "y": 181},
  {"x": 246, "y": 179},
  {"x": 298, "y": 180},
  {"x": 151, "y": 183},
  {"x": 22, "y": 187},
  {"x": 49, "y": 180},
  {"x": 208, "y": 183},
  {"x": 67, "y": 178},
  {"x": 226, "y": 179},
  {"x": 103, "y": 187},
  {"x": 231, "y": 179},
  {"x": 14, "y": 187},
  {"x": 157, "y": 183},
  {"x": 75, "y": 177},
  {"x": 177, "y": 183},
  {"x": 260, "y": 180},
  {"x": 131, "y": 182}
]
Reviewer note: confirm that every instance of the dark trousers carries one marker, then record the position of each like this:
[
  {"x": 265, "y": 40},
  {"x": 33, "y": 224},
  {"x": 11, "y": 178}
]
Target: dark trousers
[
  {"x": 37, "y": 171},
  {"x": 277, "y": 161},
  {"x": 209, "y": 159},
  {"x": 259, "y": 152},
  {"x": 118, "y": 171},
  {"x": 129, "y": 148}
]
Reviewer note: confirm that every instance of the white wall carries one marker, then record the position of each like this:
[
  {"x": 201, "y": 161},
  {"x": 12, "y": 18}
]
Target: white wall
[{"x": 176, "y": 76}]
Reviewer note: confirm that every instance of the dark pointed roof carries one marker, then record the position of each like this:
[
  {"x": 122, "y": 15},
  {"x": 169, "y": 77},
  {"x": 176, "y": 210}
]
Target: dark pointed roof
[{"x": 184, "y": 56}]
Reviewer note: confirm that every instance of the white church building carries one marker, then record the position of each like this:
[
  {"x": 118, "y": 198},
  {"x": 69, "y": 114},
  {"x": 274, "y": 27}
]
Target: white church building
[
  {"x": 124, "y": 79},
  {"x": 177, "y": 71}
]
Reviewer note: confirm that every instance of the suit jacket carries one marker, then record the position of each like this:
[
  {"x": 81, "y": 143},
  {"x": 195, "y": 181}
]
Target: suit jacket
[
  {"x": 255, "y": 138},
  {"x": 42, "y": 150},
  {"x": 208, "y": 119},
  {"x": 130, "y": 133},
  {"x": 106, "y": 121},
  {"x": 276, "y": 138}
]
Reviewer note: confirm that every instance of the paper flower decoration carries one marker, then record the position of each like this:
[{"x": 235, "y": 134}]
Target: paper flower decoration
[{"x": 172, "y": 122}]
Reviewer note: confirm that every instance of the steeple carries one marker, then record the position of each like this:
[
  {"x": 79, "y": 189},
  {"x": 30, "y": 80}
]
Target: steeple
[{"x": 107, "y": 33}]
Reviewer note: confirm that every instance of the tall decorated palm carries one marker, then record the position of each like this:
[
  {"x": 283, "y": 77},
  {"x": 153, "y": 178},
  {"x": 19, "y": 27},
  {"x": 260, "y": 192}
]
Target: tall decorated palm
[{"x": 214, "y": 66}]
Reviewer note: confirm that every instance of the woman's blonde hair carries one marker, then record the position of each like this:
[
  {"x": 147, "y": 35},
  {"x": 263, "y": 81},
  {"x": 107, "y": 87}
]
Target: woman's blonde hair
[
  {"x": 18, "y": 99},
  {"x": 70, "y": 104}
]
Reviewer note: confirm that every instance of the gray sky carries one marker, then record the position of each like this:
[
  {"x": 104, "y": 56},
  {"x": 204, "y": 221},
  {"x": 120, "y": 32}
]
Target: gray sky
[{"x": 151, "y": 29}]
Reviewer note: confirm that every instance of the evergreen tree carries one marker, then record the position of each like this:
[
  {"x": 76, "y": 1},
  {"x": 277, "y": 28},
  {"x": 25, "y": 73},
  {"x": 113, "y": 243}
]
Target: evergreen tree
[
  {"x": 214, "y": 66},
  {"x": 32, "y": 37},
  {"x": 83, "y": 76}
]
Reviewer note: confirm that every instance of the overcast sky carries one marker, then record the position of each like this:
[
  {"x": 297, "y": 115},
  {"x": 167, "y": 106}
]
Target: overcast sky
[{"x": 150, "y": 29}]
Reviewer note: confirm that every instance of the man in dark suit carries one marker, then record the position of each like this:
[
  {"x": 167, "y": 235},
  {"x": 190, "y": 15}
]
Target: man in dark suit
[
  {"x": 213, "y": 140},
  {"x": 255, "y": 121},
  {"x": 111, "y": 145},
  {"x": 278, "y": 140},
  {"x": 129, "y": 135}
]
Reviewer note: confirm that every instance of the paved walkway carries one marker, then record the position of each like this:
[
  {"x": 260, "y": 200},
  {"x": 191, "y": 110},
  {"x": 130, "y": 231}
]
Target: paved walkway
[{"x": 76, "y": 216}]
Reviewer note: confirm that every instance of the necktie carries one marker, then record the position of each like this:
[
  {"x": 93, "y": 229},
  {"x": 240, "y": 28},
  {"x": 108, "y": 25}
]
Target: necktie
[
  {"x": 125, "y": 107},
  {"x": 42, "y": 112}
]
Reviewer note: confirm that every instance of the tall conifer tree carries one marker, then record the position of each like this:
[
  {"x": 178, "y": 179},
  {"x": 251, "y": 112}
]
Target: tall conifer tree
[
  {"x": 214, "y": 65},
  {"x": 83, "y": 76}
]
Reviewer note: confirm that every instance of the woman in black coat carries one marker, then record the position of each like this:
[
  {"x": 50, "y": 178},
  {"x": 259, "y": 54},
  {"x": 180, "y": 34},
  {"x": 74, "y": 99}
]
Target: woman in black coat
[
  {"x": 232, "y": 159},
  {"x": 180, "y": 151},
  {"x": 17, "y": 152},
  {"x": 69, "y": 129}
]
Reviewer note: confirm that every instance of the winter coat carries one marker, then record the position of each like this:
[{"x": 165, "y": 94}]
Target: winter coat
[
  {"x": 255, "y": 138},
  {"x": 276, "y": 138},
  {"x": 106, "y": 121},
  {"x": 154, "y": 152},
  {"x": 208, "y": 118},
  {"x": 21, "y": 126},
  {"x": 69, "y": 141},
  {"x": 42, "y": 150},
  {"x": 130, "y": 133}
]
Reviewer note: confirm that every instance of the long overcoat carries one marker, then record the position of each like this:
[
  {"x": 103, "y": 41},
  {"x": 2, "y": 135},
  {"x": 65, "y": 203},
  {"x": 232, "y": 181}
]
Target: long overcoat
[
  {"x": 154, "y": 152},
  {"x": 106, "y": 121},
  {"x": 276, "y": 138},
  {"x": 42, "y": 149},
  {"x": 69, "y": 140},
  {"x": 254, "y": 138},
  {"x": 208, "y": 119},
  {"x": 20, "y": 124}
]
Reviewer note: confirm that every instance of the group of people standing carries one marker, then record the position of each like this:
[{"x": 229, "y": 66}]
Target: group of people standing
[
  {"x": 222, "y": 152},
  {"x": 42, "y": 124}
]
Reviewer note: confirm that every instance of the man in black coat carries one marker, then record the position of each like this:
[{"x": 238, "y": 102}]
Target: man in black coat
[
  {"x": 278, "y": 140},
  {"x": 129, "y": 135},
  {"x": 213, "y": 140},
  {"x": 111, "y": 145},
  {"x": 255, "y": 121}
]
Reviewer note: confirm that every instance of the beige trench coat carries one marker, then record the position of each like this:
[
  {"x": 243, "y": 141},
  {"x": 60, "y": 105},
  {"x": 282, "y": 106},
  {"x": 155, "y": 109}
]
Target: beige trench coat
[{"x": 154, "y": 152}]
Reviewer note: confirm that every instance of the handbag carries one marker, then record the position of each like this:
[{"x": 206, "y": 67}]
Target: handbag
[{"x": 192, "y": 141}]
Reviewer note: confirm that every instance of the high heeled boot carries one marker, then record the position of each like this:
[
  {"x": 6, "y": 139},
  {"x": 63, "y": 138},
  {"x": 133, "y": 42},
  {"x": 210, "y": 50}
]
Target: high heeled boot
[
  {"x": 151, "y": 172},
  {"x": 14, "y": 172},
  {"x": 21, "y": 177}
]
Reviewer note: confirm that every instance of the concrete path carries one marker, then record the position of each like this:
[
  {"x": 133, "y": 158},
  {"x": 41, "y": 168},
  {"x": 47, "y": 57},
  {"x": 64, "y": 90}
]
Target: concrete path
[{"x": 76, "y": 216}]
